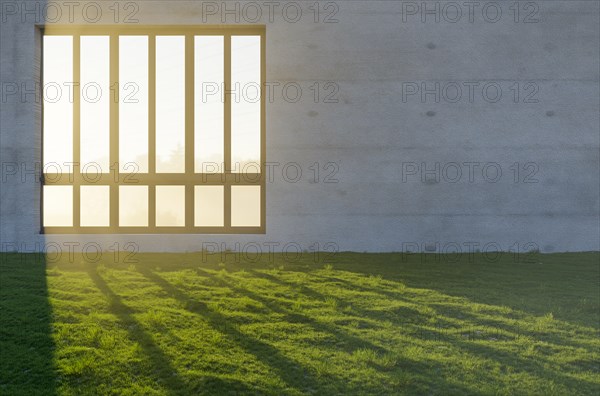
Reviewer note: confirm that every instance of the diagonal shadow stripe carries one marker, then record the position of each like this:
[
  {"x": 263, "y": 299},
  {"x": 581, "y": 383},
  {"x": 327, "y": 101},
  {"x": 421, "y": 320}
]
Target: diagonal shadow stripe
[
  {"x": 289, "y": 371},
  {"x": 160, "y": 362},
  {"x": 348, "y": 339}
]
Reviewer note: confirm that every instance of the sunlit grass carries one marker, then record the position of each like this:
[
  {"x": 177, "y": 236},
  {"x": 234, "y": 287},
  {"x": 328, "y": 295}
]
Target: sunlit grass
[{"x": 351, "y": 324}]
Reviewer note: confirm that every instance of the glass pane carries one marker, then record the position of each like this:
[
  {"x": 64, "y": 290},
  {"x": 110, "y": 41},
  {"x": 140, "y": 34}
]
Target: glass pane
[
  {"x": 133, "y": 206},
  {"x": 209, "y": 107},
  {"x": 209, "y": 206},
  {"x": 95, "y": 102},
  {"x": 133, "y": 103},
  {"x": 94, "y": 206},
  {"x": 58, "y": 206},
  {"x": 58, "y": 101},
  {"x": 170, "y": 206},
  {"x": 245, "y": 206},
  {"x": 170, "y": 104},
  {"x": 245, "y": 104}
]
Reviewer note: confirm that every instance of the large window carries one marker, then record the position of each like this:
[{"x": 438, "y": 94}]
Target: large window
[{"x": 155, "y": 129}]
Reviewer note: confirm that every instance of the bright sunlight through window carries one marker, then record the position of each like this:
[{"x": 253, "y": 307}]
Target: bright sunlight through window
[{"x": 153, "y": 129}]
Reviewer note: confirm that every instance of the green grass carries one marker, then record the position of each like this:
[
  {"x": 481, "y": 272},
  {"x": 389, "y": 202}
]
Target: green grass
[{"x": 347, "y": 324}]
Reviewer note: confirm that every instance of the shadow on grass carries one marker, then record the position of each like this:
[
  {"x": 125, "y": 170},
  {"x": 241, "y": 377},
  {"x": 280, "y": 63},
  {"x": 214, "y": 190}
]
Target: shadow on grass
[
  {"x": 533, "y": 365},
  {"x": 161, "y": 363},
  {"x": 554, "y": 337},
  {"x": 533, "y": 283},
  {"x": 296, "y": 376},
  {"x": 26, "y": 344},
  {"x": 351, "y": 342},
  {"x": 289, "y": 371}
]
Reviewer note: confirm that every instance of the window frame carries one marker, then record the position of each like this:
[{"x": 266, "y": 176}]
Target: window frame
[{"x": 189, "y": 178}]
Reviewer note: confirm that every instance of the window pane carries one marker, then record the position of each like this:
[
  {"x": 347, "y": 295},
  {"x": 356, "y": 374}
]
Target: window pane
[
  {"x": 133, "y": 103},
  {"x": 58, "y": 206},
  {"x": 133, "y": 206},
  {"x": 58, "y": 103},
  {"x": 245, "y": 206},
  {"x": 209, "y": 107},
  {"x": 94, "y": 206},
  {"x": 170, "y": 104},
  {"x": 209, "y": 206},
  {"x": 245, "y": 105},
  {"x": 95, "y": 102},
  {"x": 170, "y": 206}
]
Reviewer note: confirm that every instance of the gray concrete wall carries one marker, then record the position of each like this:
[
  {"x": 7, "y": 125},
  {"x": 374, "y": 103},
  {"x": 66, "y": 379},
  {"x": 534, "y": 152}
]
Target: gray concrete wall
[{"x": 378, "y": 138}]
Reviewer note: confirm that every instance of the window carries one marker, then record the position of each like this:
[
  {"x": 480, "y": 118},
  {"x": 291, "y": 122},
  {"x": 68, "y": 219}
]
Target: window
[{"x": 155, "y": 129}]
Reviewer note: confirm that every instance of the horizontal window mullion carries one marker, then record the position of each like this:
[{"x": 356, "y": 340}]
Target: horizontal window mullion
[
  {"x": 148, "y": 179},
  {"x": 123, "y": 30},
  {"x": 153, "y": 230}
]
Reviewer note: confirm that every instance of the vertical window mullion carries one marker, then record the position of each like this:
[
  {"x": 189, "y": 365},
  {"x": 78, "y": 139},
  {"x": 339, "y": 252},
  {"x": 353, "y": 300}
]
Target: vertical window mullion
[
  {"x": 43, "y": 177},
  {"x": 189, "y": 130},
  {"x": 152, "y": 128},
  {"x": 76, "y": 131},
  {"x": 114, "y": 131},
  {"x": 227, "y": 131},
  {"x": 263, "y": 132}
]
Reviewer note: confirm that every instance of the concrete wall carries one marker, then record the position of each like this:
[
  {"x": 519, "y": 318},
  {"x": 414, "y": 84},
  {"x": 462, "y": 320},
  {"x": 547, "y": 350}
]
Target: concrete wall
[{"x": 378, "y": 138}]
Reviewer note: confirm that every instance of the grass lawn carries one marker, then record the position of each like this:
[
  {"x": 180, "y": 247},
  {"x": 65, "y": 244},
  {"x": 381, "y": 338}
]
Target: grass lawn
[{"x": 347, "y": 324}]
